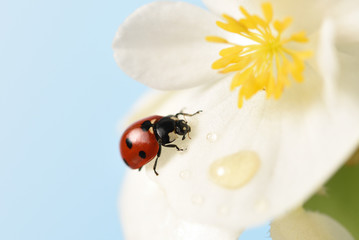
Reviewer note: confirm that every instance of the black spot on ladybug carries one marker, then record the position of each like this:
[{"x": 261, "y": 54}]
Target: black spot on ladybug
[
  {"x": 142, "y": 154},
  {"x": 145, "y": 126},
  {"x": 128, "y": 143}
]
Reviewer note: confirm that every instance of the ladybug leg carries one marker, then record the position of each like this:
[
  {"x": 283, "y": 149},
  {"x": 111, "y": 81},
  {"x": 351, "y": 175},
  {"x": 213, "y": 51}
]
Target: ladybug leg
[
  {"x": 173, "y": 146},
  {"x": 140, "y": 169},
  {"x": 155, "y": 165},
  {"x": 184, "y": 136}
]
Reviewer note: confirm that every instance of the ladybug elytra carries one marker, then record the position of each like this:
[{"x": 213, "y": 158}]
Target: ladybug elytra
[{"x": 142, "y": 141}]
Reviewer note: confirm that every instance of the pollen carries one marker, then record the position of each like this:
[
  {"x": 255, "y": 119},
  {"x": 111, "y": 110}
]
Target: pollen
[{"x": 267, "y": 62}]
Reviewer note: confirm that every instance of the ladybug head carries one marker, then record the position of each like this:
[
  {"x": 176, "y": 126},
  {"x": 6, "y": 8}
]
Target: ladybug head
[{"x": 182, "y": 128}]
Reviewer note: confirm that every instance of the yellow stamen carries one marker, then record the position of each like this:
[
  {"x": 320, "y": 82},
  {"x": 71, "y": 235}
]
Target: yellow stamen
[
  {"x": 266, "y": 64},
  {"x": 216, "y": 39}
]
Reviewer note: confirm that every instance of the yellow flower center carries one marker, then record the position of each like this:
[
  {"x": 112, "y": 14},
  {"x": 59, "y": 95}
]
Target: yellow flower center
[{"x": 265, "y": 64}]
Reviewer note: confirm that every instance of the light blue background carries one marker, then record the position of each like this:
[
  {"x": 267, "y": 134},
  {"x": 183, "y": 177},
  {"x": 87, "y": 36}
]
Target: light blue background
[{"x": 61, "y": 96}]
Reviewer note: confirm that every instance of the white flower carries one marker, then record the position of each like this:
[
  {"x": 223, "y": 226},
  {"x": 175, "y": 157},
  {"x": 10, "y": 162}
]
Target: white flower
[
  {"x": 306, "y": 225},
  {"x": 244, "y": 166}
]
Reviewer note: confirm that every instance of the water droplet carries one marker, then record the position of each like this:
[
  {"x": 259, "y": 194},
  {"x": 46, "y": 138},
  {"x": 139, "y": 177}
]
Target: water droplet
[
  {"x": 185, "y": 174},
  {"x": 211, "y": 137},
  {"x": 197, "y": 199},
  {"x": 235, "y": 170},
  {"x": 261, "y": 206},
  {"x": 223, "y": 210}
]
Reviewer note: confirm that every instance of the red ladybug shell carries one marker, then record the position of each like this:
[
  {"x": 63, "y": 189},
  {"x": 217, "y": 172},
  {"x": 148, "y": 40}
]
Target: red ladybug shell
[{"x": 138, "y": 146}]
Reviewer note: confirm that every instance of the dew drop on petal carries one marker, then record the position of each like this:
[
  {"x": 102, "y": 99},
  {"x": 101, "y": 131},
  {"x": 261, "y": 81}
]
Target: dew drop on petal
[
  {"x": 185, "y": 174},
  {"x": 211, "y": 137},
  {"x": 234, "y": 171},
  {"x": 197, "y": 199}
]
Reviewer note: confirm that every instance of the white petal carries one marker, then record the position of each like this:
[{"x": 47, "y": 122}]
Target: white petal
[
  {"x": 141, "y": 199},
  {"x": 306, "y": 14},
  {"x": 230, "y": 7},
  {"x": 162, "y": 45},
  {"x": 327, "y": 60},
  {"x": 348, "y": 84},
  {"x": 346, "y": 16},
  {"x": 295, "y": 139},
  {"x": 145, "y": 214},
  {"x": 308, "y": 226}
]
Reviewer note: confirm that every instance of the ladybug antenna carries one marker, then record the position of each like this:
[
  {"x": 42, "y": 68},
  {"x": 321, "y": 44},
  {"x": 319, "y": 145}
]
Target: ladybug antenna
[{"x": 188, "y": 135}]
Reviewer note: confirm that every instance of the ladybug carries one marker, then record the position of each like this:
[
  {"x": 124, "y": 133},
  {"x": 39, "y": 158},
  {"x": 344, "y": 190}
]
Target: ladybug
[{"x": 142, "y": 141}]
